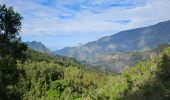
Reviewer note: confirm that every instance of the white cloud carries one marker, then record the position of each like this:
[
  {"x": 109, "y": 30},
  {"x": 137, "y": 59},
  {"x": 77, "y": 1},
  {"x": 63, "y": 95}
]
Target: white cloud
[{"x": 42, "y": 19}]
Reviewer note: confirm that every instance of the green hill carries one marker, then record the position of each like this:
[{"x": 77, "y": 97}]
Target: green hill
[{"x": 49, "y": 77}]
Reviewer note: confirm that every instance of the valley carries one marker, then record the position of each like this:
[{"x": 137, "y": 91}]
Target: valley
[{"x": 133, "y": 64}]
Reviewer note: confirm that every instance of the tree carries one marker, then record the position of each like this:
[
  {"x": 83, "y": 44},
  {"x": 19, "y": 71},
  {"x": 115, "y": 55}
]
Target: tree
[
  {"x": 163, "y": 75},
  {"x": 164, "y": 68},
  {"x": 11, "y": 49},
  {"x": 10, "y": 25}
]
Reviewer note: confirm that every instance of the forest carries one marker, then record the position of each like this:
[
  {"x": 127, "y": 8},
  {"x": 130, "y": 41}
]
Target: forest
[{"x": 26, "y": 74}]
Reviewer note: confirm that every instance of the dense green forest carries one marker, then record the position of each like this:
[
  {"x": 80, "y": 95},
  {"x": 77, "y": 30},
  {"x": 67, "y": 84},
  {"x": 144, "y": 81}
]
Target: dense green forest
[
  {"x": 47, "y": 77},
  {"x": 31, "y": 75}
]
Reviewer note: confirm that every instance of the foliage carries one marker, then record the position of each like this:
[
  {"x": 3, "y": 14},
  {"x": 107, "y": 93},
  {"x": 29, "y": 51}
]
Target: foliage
[
  {"x": 11, "y": 50},
  {"x": 47, "y": 77},
  {"x": 53, "y": 77}
]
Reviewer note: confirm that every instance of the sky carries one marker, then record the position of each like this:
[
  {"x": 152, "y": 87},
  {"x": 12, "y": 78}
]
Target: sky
[{"x": 61, "y": 23}]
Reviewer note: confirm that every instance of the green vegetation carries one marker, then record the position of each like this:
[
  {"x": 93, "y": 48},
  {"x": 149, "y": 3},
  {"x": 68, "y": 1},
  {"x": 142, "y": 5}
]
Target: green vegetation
[
  {"x": 11, "y": 50},
  {"x": 48, "y": 77},
  {"x": 31, "y": 75}
]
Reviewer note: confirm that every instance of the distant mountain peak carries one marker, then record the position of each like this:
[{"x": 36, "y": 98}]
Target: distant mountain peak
[{"x": 38, "y": 46}]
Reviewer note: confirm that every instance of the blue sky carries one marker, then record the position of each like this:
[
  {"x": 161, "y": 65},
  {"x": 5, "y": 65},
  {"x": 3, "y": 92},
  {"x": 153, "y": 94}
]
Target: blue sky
[{"x": 61, "y": 23}]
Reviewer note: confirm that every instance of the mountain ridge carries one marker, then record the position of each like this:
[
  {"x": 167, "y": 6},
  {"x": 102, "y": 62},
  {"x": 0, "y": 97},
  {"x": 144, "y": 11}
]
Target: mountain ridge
[
  {"x": 38, "y": 46},
  {"x": 119, "y": 42},
  {"x": 99, "y": 53}
]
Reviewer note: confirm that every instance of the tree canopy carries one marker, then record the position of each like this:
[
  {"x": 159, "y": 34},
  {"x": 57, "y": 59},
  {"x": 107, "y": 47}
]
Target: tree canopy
[
  {"x": 10, "y": 25},
  {"x": 11, "y": 49}
]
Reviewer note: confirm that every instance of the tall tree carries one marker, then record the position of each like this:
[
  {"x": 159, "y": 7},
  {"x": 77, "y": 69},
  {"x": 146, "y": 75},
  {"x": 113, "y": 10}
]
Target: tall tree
[
  {"x": 10, "y": 25},
  {"x": 163, "y": 75},
  {"x": 11, "y": 49}
]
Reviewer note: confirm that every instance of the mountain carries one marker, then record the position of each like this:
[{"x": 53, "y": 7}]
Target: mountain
[
  {"x": 130, "y": 40},
  {"x": 139, "y": 39},
  {"x": 118, "y": 61},
  {"x": 38, "y": 46}
]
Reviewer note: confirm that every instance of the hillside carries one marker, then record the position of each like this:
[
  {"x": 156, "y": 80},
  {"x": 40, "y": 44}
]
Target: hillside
[
  {"x": 118, "y": 61},
  {"x": 125, "y": 41},
  {"x": 111, "y": 52},
  {"x": 38, "y": 46},
  {"x": 115, "y": 62},
  {"x": 49, "y": 77}
]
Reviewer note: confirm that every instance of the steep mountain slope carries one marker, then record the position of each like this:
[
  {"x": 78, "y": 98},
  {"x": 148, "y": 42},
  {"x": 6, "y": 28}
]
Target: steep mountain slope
[
  {"x": 38, "y": 46},
  {"x": 125, "y": 41},
  {"x": 117, "y": 62}
]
